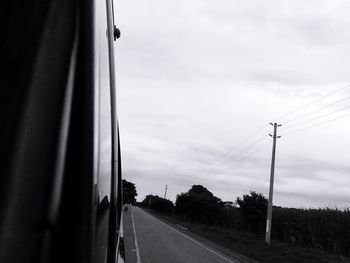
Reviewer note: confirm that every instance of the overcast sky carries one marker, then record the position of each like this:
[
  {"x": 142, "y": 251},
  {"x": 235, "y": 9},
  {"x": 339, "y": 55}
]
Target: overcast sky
[{"x": 196, "y": 78}]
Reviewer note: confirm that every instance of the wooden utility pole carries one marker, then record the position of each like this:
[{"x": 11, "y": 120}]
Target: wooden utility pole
[
  {"x": 149, "y": 201},
  {"x": 272, "y": 174},
  {"x": 166, "y": 189}
]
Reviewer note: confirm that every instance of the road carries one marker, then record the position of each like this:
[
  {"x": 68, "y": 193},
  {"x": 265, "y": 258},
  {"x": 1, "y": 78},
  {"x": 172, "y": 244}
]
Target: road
[{"x": 150, "y": 240}]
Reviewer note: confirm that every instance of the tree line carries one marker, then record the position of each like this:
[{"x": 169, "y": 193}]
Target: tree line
[
  {"x": 201, "y": 206},
  {"x": 326, "y": 229}
]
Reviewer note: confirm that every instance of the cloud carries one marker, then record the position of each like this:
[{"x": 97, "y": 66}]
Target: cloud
[{"x": 196, "y": 78}]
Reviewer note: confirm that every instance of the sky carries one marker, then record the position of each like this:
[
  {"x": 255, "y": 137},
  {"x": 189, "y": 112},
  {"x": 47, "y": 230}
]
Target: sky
[{"x": 199, "y": 81}]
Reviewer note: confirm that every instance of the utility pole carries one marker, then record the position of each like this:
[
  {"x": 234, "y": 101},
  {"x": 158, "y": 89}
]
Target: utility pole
[
  {"x": 166, "y": 189},
  {"x": 272, "y": 174},
  {"x": 149, "y": 201}
]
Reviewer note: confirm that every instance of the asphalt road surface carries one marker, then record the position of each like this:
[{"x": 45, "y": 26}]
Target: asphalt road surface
[{"x": 150, "y": 240}]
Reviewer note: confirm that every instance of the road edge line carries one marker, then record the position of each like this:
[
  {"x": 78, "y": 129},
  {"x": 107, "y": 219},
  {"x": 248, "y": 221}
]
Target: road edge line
[{"x": 138, "y": 258}]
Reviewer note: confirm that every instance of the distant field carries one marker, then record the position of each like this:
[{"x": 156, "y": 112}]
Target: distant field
[{"x": 326, "y": 229}]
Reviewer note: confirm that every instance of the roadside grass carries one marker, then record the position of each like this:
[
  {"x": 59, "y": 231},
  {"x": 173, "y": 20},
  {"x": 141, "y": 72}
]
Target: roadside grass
[
  {"x": 249, "y": 246},
  {"x": 255, "y": 248}
]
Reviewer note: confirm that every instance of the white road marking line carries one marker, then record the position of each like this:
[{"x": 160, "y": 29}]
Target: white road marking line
[
  {"x": 138, "y": 258},
  {"x": 194, "y": 241},
  {"x": 184, "y": 228}
]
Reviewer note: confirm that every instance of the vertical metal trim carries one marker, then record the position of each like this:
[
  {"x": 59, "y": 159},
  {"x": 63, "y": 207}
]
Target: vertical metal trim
[{"x": 113, "y": 216}]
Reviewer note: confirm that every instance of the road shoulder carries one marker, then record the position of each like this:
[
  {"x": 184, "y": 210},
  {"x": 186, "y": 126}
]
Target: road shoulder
[{"x": 206, "y": 242}]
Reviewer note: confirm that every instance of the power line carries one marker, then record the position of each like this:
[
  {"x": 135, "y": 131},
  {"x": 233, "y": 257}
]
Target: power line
[
  {"x": 317, "y": 117},
  {"x": 312, "y": 102},
  {"x": 239, "y": 154},
  {"x": 238, "y": 157},
  {"x": 235, "y": 160},
  {"x": 317, "y": 124},
  {"x": 257, "y": 141},
  {"x": 243, "y": 159},
  {"x": 166, "y": 189},
  {"x": 255, "y": 151},
  {"x": 236, "y": 147},
  {"x": 317, "y": 110}
]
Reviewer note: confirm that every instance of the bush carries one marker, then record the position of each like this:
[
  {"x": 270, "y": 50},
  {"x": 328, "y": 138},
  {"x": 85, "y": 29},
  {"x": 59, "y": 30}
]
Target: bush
[
  {"x": 159, "y": 204},
  {"x": 200, "y": 205},
  {"x": 253, "y": 208},
  {"x": 231, "y": 217}
]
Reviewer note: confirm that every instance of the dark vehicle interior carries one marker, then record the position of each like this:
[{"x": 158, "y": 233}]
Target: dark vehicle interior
[{"x": 51, "y": 205}]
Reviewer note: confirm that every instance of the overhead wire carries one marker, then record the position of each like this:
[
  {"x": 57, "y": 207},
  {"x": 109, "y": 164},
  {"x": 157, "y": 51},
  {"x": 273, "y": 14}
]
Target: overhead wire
[
  {"x": 239, "y": 160},
  {"x": 250, "y": 154},
  {"x": 317, "y": 110},
  {"x": 317, "y": 124},
  {"x": 236, "y": 157},
  {"x": 235, "y": 148},
  {"x": 312, "y": 102},
  {"x": 237, "y": 154},
  {"x": 315, "y": 118}
]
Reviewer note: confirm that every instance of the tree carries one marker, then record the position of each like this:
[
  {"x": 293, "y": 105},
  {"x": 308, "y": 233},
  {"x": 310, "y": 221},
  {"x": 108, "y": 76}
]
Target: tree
[
  {"x": 146, "y": 203},
  {"x": 199, "y": 204},
  {"x": 253, "y": 208},
  {"x": 129, "y": 192},
  {"x": 159, "y": 204}
]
